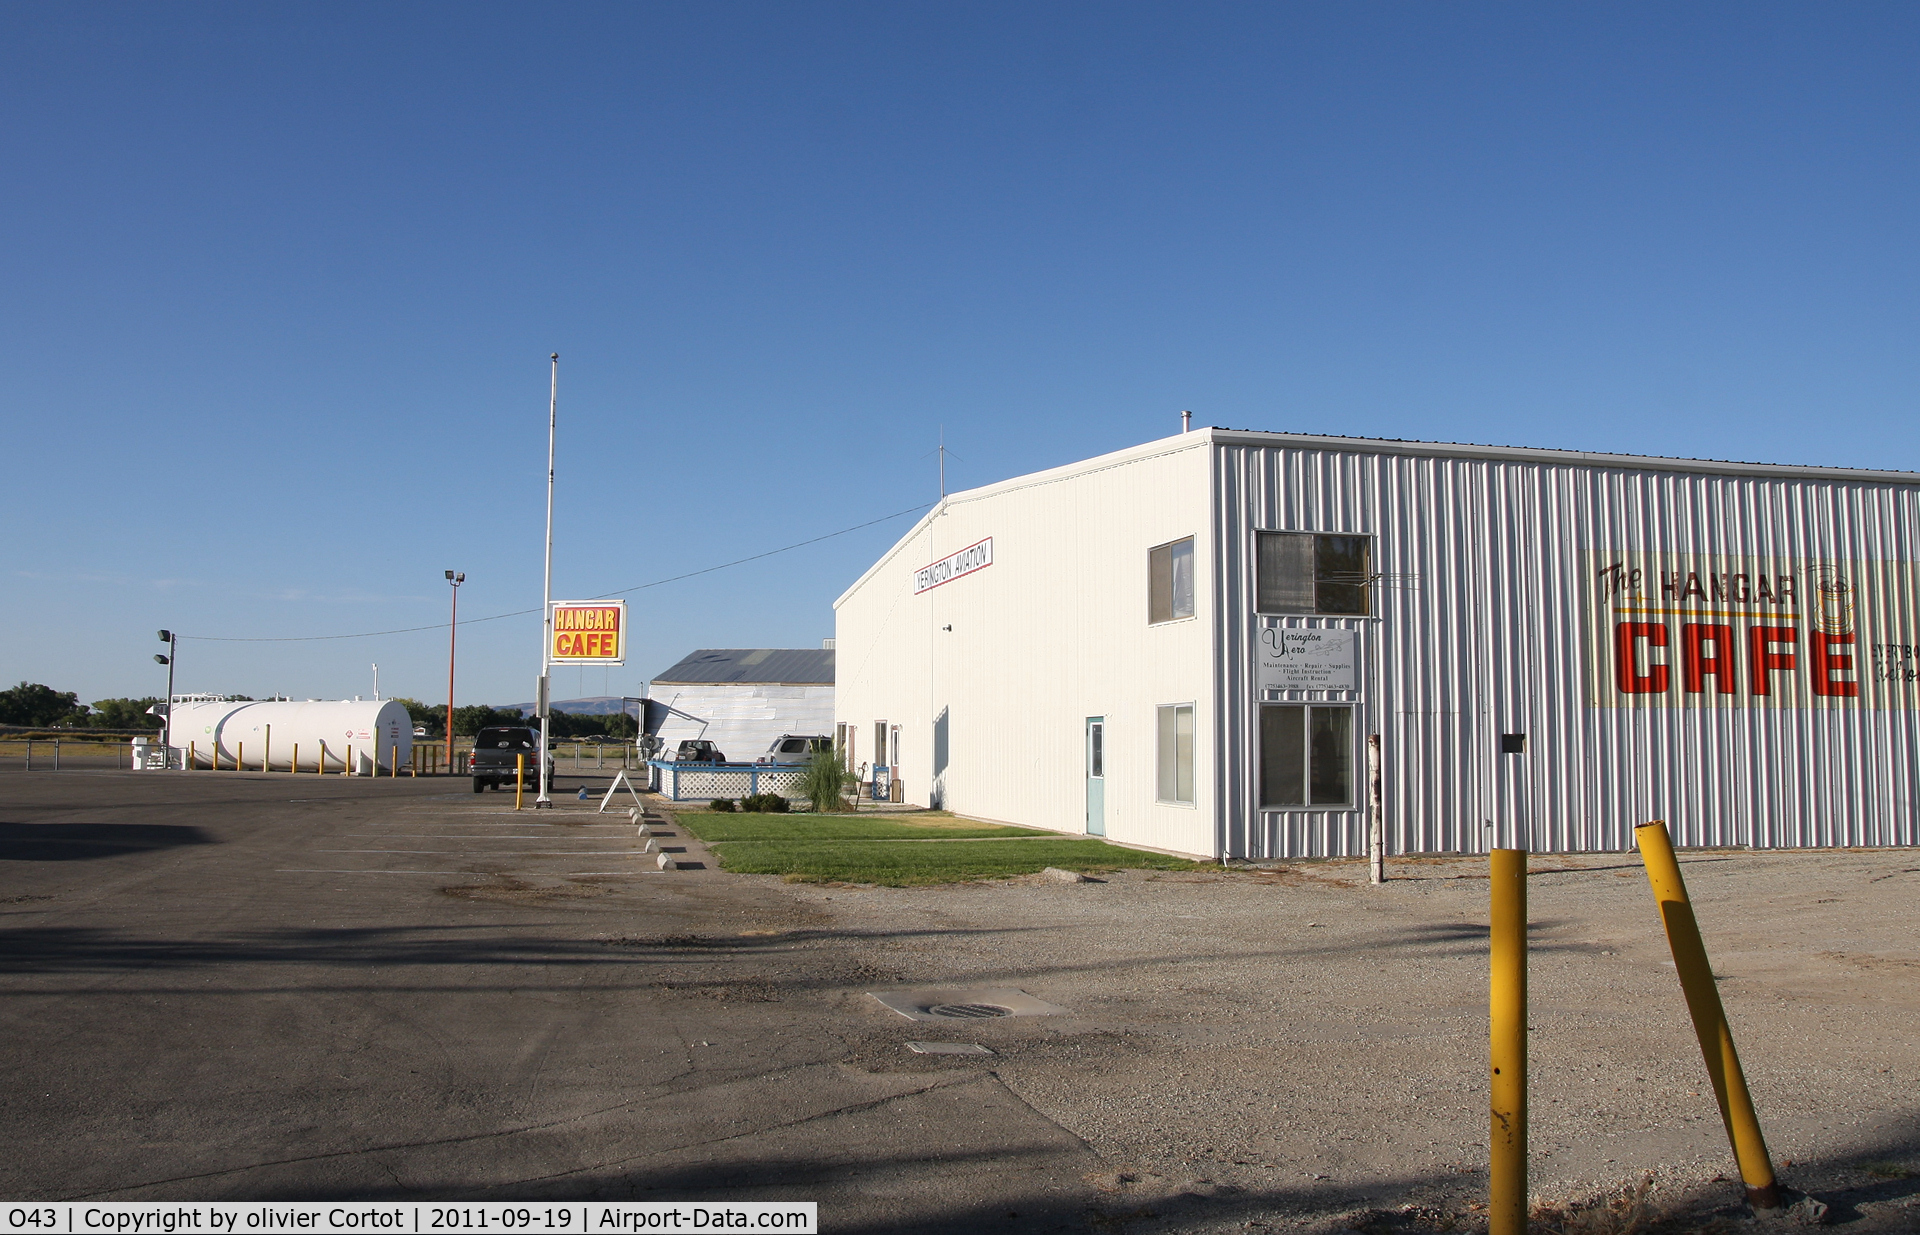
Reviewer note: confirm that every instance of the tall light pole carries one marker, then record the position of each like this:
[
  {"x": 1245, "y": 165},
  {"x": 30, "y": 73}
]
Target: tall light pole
[
  {"x": 166, "y": 717},
  {"x": 546, "y": 602},
  {"x": 453, "y": 629}
]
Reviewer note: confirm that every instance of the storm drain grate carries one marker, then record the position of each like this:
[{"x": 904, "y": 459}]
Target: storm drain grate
[
  {"x": 969, "y": 1011},
  {"x": 965, "y": 1003}
]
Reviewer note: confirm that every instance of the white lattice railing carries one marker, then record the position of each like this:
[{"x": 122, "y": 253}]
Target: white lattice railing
[{"x": 700, "y": 782}]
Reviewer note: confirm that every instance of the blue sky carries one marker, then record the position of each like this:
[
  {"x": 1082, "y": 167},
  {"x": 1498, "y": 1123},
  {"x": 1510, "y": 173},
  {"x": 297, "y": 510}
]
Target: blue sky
[{"x": 281, "y": 281}]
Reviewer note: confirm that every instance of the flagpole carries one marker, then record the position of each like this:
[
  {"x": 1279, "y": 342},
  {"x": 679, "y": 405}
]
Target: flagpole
[{"x": 546, "y": 603}]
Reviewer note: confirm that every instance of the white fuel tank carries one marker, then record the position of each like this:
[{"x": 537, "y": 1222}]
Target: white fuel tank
[{"x": 322, "y": 734}]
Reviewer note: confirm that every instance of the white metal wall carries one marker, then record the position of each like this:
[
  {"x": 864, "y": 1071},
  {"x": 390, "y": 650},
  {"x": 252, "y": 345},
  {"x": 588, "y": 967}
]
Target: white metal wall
[
  {"x": 1480, "y": 632},
  {"x": 743, "y": 719},
  {"x": 1053, "y": 632}
]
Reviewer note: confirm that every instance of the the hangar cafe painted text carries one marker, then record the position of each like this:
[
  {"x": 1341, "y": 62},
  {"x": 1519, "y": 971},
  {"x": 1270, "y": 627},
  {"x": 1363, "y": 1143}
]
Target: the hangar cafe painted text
[{"x": 1687, "y": 630}]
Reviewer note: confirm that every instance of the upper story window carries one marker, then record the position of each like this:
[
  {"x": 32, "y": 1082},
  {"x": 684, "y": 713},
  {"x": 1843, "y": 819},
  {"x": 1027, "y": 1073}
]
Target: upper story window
[
  {"x": 1306, "y": 572},
  {"x": 1170, "y": 581}
]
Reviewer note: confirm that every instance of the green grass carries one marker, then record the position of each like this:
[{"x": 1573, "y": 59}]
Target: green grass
[
  {"x": 712, "y": 827},
  {"x": 899, "y": 864}
]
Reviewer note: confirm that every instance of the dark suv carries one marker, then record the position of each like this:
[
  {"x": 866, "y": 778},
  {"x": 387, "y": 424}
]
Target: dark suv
[{"x": 496, "y": 756}]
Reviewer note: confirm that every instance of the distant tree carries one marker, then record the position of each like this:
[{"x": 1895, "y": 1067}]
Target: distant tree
[
  {"x": 30, "y": 703},
  {"x": 124, "y": 714},
  {"x": 434, "y": 718},
  {"x": 473, "y": 718}
]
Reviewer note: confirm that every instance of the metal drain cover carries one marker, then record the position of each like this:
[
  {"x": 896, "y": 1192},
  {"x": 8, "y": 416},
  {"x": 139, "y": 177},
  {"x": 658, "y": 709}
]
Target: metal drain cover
[
  {"x": 969, "y": 1011},
  {"x": 965, "y": 1004}
]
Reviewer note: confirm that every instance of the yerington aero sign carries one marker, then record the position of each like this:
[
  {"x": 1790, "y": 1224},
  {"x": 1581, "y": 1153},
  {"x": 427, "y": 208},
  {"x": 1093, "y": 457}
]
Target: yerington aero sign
[
  {"x": 947, "y": 569},
  {"x": 1694, "y": 630},
  {"x": 1293, "y": 658},
  {"x": 589, "y": 632}
]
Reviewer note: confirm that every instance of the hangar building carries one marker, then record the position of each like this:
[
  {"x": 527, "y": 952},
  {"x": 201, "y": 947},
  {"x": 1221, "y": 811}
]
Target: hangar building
[{"x": 1186, "y": 645}]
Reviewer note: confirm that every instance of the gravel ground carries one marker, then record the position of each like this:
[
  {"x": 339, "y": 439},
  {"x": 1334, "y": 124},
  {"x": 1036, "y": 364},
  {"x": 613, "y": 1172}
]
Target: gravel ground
[{"x": 1317, "y": 1046}]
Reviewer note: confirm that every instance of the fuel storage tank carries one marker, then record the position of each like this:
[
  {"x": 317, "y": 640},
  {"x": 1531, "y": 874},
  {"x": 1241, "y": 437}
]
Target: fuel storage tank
[{"x": 323, "y": 734}]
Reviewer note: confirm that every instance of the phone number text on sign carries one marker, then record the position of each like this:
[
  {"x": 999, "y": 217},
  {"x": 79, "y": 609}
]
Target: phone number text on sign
[{"x": 136, "y": 1218}]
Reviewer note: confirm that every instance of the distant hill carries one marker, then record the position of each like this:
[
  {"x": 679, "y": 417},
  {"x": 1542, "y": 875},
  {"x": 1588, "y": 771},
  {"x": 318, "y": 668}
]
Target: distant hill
[{"x": 599, "y": 705}]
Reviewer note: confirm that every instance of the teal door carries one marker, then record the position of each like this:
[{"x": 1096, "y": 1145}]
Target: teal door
[{"x": 1096, "y": 776}]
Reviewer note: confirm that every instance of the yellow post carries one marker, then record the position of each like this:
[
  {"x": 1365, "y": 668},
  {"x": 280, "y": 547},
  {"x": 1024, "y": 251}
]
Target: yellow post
[
  {"x": 1709, "y": 1017},
  {"x": 519, "y": 779},
  {"x": 294, "y": 766},
  {"x": 190, "y": 755},
  {"x": 239, "y": 756},
  {"x": 266, "y": 756},
  {"x": 320, "y": 760},
  {"x": 347, "y": 768},
  {"x": 1507, "y": 1017}
]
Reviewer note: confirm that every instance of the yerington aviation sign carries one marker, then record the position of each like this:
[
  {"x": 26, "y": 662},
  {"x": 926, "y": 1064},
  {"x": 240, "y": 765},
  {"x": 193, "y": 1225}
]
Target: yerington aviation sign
[
  {"x": 947, "y": 569},
  {"x": 589, "y": 632}
]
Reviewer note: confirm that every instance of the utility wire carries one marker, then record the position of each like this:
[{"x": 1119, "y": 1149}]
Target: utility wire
[{"x": 638, "y": 587}]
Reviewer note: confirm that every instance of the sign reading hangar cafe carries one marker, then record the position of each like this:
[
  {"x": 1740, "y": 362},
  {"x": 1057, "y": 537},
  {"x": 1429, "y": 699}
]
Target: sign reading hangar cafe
[
  {"x": 974, "y": 557},
  {"x": 588, "y": 632}
]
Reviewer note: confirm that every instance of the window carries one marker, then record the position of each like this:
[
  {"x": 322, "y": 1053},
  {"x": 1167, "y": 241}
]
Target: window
[
  {"x": 1302, "y": 572},
  {"x": 1175, "y": 742},
  {"x": 1170, "y": 581},
  {"x": 1306, "y": 755}
]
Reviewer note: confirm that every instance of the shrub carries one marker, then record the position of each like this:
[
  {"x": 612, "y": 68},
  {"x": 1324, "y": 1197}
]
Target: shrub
[
  {"x": 765, "y": 803},
  {"x": 722, "y": 805},
  {"x": 825, "y": 782}
]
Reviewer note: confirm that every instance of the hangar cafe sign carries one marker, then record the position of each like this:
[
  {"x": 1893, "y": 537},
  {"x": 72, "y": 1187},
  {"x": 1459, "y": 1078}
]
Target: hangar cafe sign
[
  {"x": 974, "y": 557},
  {"x": 1695, "y": 630},
  {"x": 1291, "y": 658},
  {"x": 588, "y": 632}
]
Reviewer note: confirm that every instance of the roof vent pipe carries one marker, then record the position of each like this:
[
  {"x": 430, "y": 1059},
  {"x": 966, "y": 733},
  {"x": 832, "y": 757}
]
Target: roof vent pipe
[{"x": 1186, "y": 422}]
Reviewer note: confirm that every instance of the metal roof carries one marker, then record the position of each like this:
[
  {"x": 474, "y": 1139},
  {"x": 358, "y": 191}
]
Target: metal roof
[{"x": 784, "y": 666}]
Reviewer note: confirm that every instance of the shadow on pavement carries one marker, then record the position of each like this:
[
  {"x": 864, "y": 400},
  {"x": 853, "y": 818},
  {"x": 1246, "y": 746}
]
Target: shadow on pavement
[{"x": 74, "y": 842}]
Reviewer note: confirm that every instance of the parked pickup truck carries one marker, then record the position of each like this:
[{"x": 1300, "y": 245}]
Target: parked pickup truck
[{"x": 496, "y": 757}]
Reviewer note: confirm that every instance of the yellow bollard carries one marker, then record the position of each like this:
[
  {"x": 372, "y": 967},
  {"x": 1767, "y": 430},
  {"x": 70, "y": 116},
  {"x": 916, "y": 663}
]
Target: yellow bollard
[
  {"x": 1709, "y": 1017},
  {"x": 519, "y": 779},
  {"x": 1507, "y": 1018},
  {"x": 347, "y": 768},
  {"x": 239, "y": 756},
  {"x": 191, "y": 756},
  {"x": 266, "y": 755},
  {"x": 295, "y": 765}
]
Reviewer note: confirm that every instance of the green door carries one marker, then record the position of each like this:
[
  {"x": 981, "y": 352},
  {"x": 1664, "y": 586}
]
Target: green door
[{"x": 1096, "y": 776}]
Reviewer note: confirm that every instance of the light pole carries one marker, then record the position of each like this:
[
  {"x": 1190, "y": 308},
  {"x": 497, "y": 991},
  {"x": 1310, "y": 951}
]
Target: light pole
[
  {"x": 166, "y": 717},
  {"x": 546, "y": 603},
  {"x": 453, "y": 629}
]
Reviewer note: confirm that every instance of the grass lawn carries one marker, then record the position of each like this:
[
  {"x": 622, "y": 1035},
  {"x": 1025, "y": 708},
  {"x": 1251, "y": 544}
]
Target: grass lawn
[
  {"x": 898, "y": 863},
  {"x": 712, "y": 827}
]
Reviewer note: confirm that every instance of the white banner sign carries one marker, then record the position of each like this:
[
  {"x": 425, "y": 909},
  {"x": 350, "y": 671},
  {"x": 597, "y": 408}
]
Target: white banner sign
[
  {"x": 1293, "y": 659},
  {"x": 951, "y": 567}
]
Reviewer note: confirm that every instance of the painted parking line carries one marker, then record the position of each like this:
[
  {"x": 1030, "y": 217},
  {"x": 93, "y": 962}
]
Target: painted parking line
[
  {"x": 511, "y": 853},
  {"x": 325, "y": 870}
]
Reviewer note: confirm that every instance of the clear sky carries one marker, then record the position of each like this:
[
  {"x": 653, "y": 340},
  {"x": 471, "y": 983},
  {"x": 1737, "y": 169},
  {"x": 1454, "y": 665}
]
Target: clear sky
[{"x": 280, "y": 282}]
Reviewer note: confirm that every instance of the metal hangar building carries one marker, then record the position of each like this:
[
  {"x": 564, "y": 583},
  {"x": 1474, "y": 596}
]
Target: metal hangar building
[{"x": 1188, "y": 645}]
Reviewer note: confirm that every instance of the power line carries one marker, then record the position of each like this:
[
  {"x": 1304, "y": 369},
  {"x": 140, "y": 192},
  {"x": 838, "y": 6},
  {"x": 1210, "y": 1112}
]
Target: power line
[{"x": 638, "y": 587}]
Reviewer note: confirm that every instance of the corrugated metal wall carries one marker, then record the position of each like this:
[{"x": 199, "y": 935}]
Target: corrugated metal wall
[{"x": 1482, "y": 629}]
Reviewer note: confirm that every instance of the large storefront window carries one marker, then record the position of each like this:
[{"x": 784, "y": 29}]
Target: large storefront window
[{"x": 1306, "y": 755}]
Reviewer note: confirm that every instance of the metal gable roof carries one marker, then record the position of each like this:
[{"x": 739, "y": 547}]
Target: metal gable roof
[{"x": 784, "y": 666}]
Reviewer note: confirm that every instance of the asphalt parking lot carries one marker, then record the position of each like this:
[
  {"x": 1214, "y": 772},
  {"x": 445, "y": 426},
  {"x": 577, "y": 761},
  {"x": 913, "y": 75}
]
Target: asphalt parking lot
[{"x": 248, "y": 986}]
